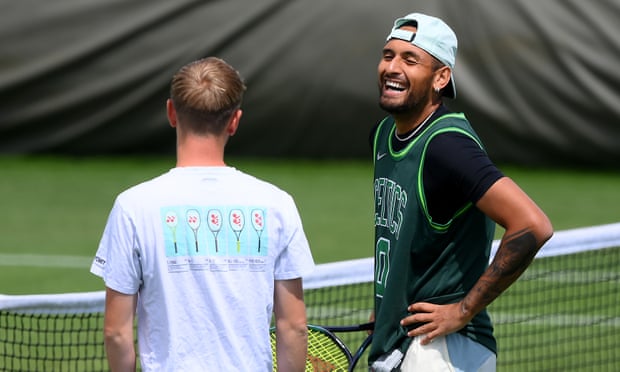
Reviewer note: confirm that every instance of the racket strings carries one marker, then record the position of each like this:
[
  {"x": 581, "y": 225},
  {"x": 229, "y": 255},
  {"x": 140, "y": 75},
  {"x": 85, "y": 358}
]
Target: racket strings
[{"x": 325, "y": 354}]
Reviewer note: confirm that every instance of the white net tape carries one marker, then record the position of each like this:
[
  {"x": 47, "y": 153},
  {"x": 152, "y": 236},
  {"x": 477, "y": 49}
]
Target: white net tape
[{"x": 325, "y": 275}]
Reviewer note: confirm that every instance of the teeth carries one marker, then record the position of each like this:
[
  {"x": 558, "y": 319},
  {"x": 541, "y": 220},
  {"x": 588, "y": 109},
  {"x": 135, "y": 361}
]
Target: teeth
[{"x": 394, "y": 85}]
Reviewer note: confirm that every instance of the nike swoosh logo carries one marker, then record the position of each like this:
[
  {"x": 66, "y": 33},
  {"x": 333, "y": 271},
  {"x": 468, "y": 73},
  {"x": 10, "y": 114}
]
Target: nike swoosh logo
[{"x": 381, "y": 156}]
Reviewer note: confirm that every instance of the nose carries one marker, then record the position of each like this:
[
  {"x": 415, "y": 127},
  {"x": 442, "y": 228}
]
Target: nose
[
  {"x": 391, "y": 66},
  {"x": 394, "y": 63}
]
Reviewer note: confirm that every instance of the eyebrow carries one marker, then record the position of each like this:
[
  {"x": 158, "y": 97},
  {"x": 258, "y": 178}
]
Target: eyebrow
[{"x": 405, "y": 54}]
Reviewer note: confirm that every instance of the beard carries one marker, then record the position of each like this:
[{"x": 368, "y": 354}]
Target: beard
[
  {"x": 416, "y": 97},
  {"x": 394, "y": 108},
  {"x": 410, "y": 103}
]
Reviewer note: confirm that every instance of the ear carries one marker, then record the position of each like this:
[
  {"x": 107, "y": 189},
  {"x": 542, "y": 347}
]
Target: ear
[
  {"x": 442, "y": 77},
  {"x": 233, "y": 124},
  {"x": 172, "y": 113}
]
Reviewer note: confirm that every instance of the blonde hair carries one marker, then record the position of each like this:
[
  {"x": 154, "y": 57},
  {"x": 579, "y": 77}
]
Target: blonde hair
[{"x": 205, "y": 93}]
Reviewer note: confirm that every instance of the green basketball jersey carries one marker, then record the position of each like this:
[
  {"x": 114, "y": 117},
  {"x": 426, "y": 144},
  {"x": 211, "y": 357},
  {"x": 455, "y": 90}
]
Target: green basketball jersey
[{"x": 417, "y": 259}]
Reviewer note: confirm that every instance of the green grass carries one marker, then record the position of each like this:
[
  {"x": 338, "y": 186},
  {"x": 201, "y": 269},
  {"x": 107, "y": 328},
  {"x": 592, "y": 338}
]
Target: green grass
[
  {"x": 562, "y": 315},
  {"x": 58, "y": 206}
]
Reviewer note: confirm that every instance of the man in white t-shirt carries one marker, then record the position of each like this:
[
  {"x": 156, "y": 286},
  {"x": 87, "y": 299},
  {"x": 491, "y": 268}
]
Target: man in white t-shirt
[{"x": 204, "y": 254}]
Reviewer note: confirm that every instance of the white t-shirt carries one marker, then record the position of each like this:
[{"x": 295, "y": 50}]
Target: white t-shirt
[{"x": 203, "y": 246}]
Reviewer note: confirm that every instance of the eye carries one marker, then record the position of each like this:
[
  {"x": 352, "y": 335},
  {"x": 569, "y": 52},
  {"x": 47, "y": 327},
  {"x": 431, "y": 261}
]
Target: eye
[
  {"x": 412, "y": 61},
  {"x": 388, "y": 56}
]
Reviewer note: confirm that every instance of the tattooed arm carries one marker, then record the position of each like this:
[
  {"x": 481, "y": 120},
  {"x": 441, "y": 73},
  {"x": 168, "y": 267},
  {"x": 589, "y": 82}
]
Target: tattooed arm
[{"x": 527, "y": 229}]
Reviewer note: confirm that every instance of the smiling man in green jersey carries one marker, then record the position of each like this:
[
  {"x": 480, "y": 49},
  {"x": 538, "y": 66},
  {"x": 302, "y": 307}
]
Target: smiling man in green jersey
[{"x": 438, "y": 197}]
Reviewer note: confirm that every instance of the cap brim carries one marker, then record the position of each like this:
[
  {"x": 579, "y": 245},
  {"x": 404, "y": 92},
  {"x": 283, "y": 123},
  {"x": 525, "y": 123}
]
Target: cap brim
[{"x": 450, "y": 89}]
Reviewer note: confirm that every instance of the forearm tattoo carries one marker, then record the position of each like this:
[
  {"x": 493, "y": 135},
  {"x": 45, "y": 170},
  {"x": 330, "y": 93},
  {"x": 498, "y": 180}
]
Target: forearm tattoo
[{"x": 515, "y": 254}]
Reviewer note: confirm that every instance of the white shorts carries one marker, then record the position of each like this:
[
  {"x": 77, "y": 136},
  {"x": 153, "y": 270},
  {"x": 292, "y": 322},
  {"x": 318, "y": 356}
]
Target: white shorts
[{"x": 454, "y": 352}]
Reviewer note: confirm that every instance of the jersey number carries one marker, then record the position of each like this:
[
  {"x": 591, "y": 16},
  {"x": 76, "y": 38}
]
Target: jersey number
[{"x": 382, "y": 266}]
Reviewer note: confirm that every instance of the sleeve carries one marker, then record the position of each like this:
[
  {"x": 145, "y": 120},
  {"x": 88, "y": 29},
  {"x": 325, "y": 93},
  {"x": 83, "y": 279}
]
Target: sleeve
[
  {"x": 117, "y": 260},
  {"x": 456, "y": 171},
  {"x": 295, "y": 258}
]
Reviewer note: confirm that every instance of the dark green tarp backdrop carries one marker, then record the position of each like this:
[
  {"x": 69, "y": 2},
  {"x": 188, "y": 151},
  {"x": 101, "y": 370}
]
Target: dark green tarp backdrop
[{"x": 538, "y": 79}]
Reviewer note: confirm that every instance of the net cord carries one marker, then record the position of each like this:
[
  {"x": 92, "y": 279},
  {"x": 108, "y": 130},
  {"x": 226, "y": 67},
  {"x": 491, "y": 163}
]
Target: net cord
[{"x": 325, "y": 275}]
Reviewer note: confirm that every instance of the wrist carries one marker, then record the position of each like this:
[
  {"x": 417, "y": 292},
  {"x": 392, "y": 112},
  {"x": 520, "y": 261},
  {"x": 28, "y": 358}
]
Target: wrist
[{"x": 464, "y": 310}]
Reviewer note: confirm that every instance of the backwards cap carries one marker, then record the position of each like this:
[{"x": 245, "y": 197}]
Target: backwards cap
[{"x": 432, "y": 35}]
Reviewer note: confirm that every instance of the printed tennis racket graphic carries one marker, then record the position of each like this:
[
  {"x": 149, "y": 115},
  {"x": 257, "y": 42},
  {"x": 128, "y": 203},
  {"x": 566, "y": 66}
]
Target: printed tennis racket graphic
[
  {"x": 193, "y": 220},
  {"x": 214, "y": 220},
  {"x": 327, "y": 352},
  {"x": 237, "y": 221},
  {"x": 172, "y": 221},
  {"x": 258, "y": 222}
]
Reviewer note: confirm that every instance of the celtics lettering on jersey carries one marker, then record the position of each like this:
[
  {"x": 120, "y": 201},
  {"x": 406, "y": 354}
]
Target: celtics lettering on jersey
[{"x": 390, "y": 203}]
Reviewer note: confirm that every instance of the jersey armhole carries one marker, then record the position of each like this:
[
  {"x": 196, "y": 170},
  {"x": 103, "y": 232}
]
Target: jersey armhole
[
  {"x": 376, "y": 139},
  {"x": 420, "y": 179}
]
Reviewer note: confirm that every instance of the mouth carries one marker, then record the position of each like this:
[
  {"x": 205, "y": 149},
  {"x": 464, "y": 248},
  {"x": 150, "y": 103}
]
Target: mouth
[
  {"x": 393, "y": 89},
  {"x": 393, "y": 86}
]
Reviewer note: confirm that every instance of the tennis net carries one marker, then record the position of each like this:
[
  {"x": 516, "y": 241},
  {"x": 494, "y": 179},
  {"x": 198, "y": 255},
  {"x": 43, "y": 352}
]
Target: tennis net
[{"x": 563, "y": 314}]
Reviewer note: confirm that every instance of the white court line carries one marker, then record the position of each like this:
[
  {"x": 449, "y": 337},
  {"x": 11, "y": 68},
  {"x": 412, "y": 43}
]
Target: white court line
[
  {"x": 573, "y": 276},
  {"x": 500, "y": 318},
  {"x": 43, "y": 260}
]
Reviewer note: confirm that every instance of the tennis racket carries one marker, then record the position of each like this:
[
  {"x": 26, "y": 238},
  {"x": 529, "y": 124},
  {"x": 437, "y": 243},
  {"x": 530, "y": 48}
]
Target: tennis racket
[
  {"x": 327, "y": 352},
  {"x": 193, "y": 220},
  {"x": 258, "y": 222},
  {"x": 172, "y": 221},
  {"x": 237, "y": 222},
  {"x": 214, "y": 222}
]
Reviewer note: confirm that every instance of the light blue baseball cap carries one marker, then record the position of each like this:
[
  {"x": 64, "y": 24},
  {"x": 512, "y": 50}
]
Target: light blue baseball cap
[{"x": 432, "y": 35}]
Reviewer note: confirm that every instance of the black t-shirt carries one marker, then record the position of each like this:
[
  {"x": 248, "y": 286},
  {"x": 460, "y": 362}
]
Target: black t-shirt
[{"x": 456, "y": 170}]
